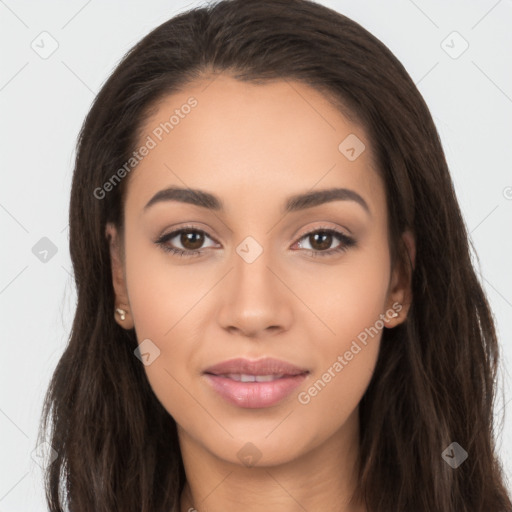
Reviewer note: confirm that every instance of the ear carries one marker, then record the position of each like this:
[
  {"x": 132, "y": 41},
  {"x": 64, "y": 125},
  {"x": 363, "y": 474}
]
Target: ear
[
  {"x": 118, "y": 278},
  {"x": 400, "y": 290}
]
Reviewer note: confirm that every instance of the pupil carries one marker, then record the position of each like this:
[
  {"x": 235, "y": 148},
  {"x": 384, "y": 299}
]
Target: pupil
[
  {"x": 327, "y": 240},
  {"x": 188, "y": 238}
]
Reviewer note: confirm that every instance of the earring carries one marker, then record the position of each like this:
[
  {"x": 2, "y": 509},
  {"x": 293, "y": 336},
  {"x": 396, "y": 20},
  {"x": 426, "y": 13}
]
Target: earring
[
  {"x": 393, "y": 314},
  {"x": 121, "y": 313}
]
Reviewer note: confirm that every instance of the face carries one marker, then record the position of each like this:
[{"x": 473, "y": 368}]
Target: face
[{"x": 265, "y": 273}]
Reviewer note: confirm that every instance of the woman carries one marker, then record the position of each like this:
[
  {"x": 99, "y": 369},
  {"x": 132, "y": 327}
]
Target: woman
[{"x": 277, "y": 308}]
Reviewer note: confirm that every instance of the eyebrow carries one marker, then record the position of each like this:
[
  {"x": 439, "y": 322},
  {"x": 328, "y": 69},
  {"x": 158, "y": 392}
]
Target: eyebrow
[{"x": 293, "y": 203}]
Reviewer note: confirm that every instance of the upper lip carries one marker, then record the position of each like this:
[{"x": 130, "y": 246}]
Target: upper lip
[{"x": 265, "y": 366}]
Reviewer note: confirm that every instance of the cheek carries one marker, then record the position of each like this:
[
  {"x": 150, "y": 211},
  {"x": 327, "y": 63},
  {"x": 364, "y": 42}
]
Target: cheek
[
  {"x": 346, "y": 298},
  {"x": 332, "y": 397},
  {"x": 167, "y": 303},
  {"x": 351, "y": 302},
  {"x": 161, "y": 291}
]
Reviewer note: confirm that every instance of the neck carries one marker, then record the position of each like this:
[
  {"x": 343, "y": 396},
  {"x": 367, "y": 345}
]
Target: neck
[{"x": 323, "y": 478}]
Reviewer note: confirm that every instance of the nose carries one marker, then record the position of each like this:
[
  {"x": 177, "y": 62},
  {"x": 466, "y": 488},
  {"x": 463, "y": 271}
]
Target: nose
[{"x": 255, "y": 300}]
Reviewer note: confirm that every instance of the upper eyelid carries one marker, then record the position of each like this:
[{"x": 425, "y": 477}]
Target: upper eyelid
[{"x": 176, "y": 232}]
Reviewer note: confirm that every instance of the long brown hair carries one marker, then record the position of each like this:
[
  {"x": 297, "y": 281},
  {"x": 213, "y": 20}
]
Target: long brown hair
[{"x": 117, "y": 447}]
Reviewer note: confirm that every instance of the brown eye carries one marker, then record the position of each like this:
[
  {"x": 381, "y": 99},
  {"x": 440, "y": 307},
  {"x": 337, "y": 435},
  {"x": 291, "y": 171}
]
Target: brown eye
[
  {"x": 320, "y": 240},
  {"x": 185, "y": 242},
  {"x": 192, "y": 240}
]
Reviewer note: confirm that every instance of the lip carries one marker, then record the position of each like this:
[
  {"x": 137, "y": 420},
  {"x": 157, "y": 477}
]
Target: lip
[
  {"x": 264, "y": 366},
  {"x": 254, "y": 395}
]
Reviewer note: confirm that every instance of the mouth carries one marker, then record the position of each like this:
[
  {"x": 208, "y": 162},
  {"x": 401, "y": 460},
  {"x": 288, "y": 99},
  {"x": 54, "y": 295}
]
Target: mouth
[
  {"x": 254, "y": 384},
  {"x": 246, "y": 377}
]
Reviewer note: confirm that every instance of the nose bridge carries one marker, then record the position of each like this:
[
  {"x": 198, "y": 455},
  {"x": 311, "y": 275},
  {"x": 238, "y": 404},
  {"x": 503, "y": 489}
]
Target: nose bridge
[
  {"x": 254, "y": 299},
  {"x": 253, "y": 282},
  {"x": 251, "y": 272}
]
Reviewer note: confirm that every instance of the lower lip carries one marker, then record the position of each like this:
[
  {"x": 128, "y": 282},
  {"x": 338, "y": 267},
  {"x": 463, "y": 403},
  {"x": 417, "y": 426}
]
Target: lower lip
[{"x": 254, "y": 395}]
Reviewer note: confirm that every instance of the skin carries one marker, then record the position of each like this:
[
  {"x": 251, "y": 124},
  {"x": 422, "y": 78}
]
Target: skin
[{"x": 254, "y": 146}]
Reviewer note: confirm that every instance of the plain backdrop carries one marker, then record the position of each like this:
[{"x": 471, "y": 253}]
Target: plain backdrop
[{"x": 458, "y": 53}]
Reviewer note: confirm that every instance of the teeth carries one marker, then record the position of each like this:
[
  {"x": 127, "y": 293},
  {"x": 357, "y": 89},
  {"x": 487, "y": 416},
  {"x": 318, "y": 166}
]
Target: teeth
[{"x": 242, "y": 377}]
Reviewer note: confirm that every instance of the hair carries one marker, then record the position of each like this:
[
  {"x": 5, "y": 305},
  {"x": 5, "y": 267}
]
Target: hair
[{"x": 434, "y": 382}]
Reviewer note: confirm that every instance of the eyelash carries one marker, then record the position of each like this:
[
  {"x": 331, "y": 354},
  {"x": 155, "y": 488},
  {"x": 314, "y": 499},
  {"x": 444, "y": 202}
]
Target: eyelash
[{"x": 346, "y": 242}]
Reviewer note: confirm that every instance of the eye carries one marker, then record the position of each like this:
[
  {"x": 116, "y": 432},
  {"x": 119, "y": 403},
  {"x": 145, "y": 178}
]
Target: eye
[
  {"x": 190, "y": 239},
  {"x": 320, "y": 241}
]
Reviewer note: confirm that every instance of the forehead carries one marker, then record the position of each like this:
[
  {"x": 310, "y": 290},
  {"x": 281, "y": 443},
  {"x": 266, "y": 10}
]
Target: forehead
[{"x": 252, "y": 142}]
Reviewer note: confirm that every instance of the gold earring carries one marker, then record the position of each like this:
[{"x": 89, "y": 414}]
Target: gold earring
[{"x": 121, "y": 313}]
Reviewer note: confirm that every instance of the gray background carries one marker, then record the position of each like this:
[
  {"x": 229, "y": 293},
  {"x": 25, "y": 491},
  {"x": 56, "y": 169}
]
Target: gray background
[{"x": 43, "y": 102}]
